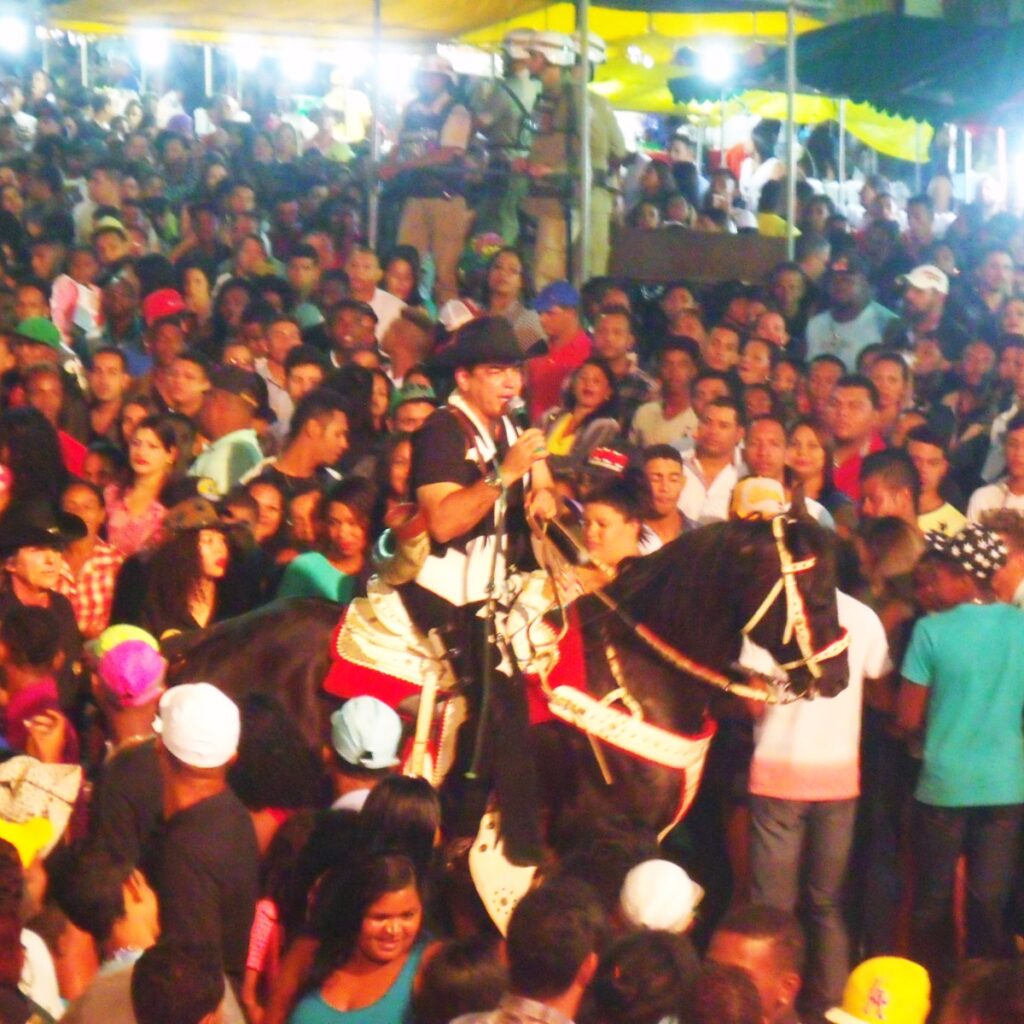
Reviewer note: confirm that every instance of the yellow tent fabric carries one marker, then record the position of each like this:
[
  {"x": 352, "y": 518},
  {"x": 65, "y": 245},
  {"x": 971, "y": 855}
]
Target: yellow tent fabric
[
  {"x": 625, "y": 26},
  {"x": 273, "y": 23}
]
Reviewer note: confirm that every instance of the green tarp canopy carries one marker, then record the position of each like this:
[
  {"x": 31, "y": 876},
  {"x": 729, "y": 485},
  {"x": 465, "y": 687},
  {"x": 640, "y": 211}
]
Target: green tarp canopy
[{"x": 927, "y": 69}]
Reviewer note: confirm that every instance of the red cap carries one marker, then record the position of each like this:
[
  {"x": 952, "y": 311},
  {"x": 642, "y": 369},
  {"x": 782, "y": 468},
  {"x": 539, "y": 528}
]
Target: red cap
[{"x": 162, "y": 303}]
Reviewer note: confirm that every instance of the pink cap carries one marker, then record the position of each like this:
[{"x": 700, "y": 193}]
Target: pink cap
[
  {"x": 162, "y": 303},
  {"x": 132, "y": 673}
]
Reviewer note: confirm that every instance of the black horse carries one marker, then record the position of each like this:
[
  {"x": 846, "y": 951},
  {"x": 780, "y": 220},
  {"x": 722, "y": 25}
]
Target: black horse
[{"x": 696, "y": 594}]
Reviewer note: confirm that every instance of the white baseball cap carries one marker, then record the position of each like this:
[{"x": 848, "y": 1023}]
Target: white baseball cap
[
  {"x": 435, "y": 64},
  {"x": 555, "y": 47},
  {"x": 199, "y": 724},
  {"x": 660, "y": 895},
  {"x": 517, "y": 43},
  {"x": 367, "y": 733},
  {"x": 928, "y": 278}
]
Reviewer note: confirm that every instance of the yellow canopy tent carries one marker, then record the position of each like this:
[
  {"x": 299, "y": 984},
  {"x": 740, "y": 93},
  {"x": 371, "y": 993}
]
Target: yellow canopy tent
[{"x": 268, "y": 24}]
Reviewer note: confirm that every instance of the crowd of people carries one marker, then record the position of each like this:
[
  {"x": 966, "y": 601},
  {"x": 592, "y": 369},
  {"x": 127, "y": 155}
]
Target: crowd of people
[{"x": 214, "y": 393}]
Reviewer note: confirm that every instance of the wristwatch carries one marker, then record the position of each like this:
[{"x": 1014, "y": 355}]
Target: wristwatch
[{"x": 493, "y": 479}]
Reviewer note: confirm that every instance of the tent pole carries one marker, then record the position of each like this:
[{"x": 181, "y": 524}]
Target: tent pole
[
  {"x": 1002, "y": 164},
  {"x": 374, "y": 198},
  {"x": 917, "y": 157},
  {"x": 208, "y": 68},
  {"x": 842, "y": 156},
  {"x": 586, "y": 173},
  {"x": 790, "y": 130},
  {"x": 968, "y": 165},
  {"x": 721, "y": 129},
  {"x": 83, "y": 61}
]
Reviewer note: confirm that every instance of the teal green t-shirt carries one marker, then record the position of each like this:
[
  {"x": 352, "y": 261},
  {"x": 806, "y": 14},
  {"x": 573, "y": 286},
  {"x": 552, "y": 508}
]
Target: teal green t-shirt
[
  {"x": 971, "y": 658},
  {"x": 311, "y": 575},
  {"x": 394, "y": 1007}
]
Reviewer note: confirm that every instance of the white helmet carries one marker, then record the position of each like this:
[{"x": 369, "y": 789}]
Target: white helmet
[
  {"x": 435, "y": 64},
  {"x": 517, "y": 43},
  {"x": 597, "y": 48},
  {"x": 555, "y": 47}
]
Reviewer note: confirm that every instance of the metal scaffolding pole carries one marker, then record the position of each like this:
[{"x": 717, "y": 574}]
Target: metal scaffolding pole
[
  {"x": 208, "y": 68},
  {"x": 373, "y": 213},
  {"x": 586, "y": 173},
  {"x": 790, "y": 130}
]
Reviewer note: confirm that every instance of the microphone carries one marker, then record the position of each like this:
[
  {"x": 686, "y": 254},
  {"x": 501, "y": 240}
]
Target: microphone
[{"x": 516, "y": 411}]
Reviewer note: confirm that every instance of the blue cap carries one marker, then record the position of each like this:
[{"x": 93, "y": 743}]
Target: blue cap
[
  {"x": 559, "y": 293},
  {"x": 366, "y": 733}
]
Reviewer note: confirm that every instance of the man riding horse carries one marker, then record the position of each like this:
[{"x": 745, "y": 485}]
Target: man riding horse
[{"x": 477, "y": 478}]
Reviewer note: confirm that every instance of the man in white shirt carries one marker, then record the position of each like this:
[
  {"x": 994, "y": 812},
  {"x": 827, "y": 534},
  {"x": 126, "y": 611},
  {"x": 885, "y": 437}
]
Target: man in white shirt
[
  {"x": 710, "y": 470},
  {"x": 364, "y": 274},
  {"x": 1009, "y": 492},
  {"x": 672, "y": 417},
  {"x": 804, "y": 785},
  {"x": 995, "y": 461}
]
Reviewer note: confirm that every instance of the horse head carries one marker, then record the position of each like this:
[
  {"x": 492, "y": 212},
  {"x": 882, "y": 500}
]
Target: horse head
[{"x": 785, "y": 572}]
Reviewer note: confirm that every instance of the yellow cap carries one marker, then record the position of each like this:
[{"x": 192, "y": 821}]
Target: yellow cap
[
  {"x": 29, "y": 838},
  {"x": 885, "y": 989}
]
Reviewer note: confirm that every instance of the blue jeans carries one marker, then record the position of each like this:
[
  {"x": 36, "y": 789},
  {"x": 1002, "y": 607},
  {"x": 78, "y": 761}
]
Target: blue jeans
[
  {"x": 799, "y": 854},
  {"x": 989, "y": 837}
]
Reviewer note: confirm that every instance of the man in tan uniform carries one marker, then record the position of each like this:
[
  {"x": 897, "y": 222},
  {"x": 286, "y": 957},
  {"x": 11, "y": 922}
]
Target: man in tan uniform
[
  {"x": 430, "y": 171},
  {"x": 502, "y": 109},
  {"x": 553, "y": 164}
]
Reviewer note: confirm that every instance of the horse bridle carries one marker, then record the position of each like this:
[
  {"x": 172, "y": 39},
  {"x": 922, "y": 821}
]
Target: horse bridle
[{"x": 797, "y": 622}]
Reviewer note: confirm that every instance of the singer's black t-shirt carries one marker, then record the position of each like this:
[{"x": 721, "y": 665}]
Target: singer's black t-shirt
[{"x": 441, "y": 453}]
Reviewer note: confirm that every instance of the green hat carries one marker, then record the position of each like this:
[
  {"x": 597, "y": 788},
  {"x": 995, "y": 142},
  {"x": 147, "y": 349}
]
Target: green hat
[
  {"x": 412, "y": 393},
  {"x": 114, "y": 636},
  {"x": 39, "y": 330}
]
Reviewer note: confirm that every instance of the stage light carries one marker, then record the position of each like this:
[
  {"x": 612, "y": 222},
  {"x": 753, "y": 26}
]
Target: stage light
[
  {"x": 716, "y": 62},
  {"x": 246, "y": 53},
  {"x": 13, "y": 34},
  {"x": 353, "y": 59},
  {"x": 298, "y": 63},
  {"x": 153, "y": 47}
]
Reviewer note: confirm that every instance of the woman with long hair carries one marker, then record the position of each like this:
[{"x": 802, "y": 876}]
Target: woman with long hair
[
  {"x": 586, "y": 421},
  {"x": 135, "y": 511},
  {"x": 402, "y": 813},
  {"x": 336, "y": 570},
  {"x": 810, "y": 456},
  {"x": 392, "y": 478},
  {"x": 371, "y": 953},
  {"x": 506, "y": 291},
  {"x": 402, "y": 275},
  {"x": 185, "y": 570},
  {"x": 30, "y": 452}
]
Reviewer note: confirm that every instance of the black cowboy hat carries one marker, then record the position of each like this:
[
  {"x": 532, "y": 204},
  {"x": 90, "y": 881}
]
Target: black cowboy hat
[
  {"x": 35, "y": 524},
  {"x": 486, "y": 339}
]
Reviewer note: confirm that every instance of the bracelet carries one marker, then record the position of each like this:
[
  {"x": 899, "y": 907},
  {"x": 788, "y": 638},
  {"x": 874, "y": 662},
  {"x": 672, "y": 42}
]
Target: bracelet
[{"x": 493, "y": 479}]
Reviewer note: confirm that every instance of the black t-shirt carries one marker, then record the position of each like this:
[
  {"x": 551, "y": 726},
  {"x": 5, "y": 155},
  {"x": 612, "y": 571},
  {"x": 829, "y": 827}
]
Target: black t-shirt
[
  {"x": 205, "y": 869},
  {"x": 127, "y": 803},
  {"x": 293, "y": 486}
]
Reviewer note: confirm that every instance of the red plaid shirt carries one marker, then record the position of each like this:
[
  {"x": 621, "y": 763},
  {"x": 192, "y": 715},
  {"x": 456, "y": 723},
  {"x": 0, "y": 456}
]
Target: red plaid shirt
[{"x": 92, "y": 593}]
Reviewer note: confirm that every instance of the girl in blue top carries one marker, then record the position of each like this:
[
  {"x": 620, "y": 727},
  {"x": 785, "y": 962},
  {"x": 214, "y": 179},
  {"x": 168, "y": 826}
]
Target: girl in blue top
[
  {"x": 335, "y": 571},
  {"x": 367, "y": 968}
]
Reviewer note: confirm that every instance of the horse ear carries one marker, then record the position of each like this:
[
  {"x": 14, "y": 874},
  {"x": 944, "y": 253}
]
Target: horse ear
[{"x": 797, "y": 506}]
